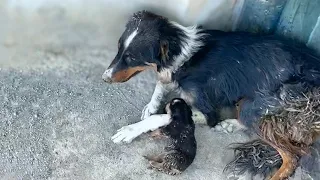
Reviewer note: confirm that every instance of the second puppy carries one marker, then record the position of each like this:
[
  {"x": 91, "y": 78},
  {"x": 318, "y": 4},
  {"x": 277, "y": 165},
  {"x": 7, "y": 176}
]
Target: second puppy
[{"x": 181, "y": 151}]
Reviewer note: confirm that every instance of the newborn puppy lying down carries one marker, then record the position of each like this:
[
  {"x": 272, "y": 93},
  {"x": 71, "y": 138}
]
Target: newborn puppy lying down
[{"x": 181, "y": 151}]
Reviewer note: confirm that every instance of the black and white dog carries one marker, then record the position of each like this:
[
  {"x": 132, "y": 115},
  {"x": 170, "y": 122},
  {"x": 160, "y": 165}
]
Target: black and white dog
[{"x": 210, "y": 69}]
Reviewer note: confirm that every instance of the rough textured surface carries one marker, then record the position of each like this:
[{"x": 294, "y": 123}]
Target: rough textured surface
[
  {"x": 57, "y": 115},
  {"x": 58, "y": 125}
]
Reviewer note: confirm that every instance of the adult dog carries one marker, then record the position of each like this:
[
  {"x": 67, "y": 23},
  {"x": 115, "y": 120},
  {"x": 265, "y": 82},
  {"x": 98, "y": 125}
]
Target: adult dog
[{"x": 210, "y": 69}]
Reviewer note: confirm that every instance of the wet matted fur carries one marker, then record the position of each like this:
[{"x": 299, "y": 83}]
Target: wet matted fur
[
  {"x": 256, "y": 157},
  {"x": 286, "y": 134},
  {"x": 181, "y": 151}
]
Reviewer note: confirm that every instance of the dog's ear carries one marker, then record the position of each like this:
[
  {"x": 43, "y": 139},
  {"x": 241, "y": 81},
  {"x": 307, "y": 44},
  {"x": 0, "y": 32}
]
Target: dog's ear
[{"x": 164, "y": 50}]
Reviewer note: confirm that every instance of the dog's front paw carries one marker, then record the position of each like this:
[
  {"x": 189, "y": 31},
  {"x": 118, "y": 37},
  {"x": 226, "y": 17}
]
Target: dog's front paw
[
  {"x": 127, "y": 134},
  {"x": 149, "y": 109}
]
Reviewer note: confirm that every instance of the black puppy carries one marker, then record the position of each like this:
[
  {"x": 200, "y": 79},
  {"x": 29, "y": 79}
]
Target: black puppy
[{"x": 181, "y": 151}]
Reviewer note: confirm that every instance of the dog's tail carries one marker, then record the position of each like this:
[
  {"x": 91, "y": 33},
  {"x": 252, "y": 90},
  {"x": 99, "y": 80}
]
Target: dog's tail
[{"x": 260, "y": 159}]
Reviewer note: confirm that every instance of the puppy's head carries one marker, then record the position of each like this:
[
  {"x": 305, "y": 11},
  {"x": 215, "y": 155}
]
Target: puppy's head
[
  {"x": 144, "y": 44},
  {"x": 178, "y": 107}
]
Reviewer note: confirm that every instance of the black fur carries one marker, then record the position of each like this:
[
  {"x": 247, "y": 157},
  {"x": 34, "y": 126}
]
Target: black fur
[
  {"x": 228, "y": 67},
  {"x": 181, "y": 151},
  {"x": 236, "y": 65}
]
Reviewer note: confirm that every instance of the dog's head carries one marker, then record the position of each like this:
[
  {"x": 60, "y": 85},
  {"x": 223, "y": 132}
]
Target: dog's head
[
  {"x": 147, "y": 42},
  {"x": 178, "y": 107}
]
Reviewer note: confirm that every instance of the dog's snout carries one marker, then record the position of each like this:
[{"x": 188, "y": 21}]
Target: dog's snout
[
  {"x": 107, "y": 80},
  {"x": 106, "y": 76}
]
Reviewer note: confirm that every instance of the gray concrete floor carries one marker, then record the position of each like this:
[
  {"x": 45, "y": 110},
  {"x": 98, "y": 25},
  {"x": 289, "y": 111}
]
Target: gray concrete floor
[{"x": 57, "y": 115}]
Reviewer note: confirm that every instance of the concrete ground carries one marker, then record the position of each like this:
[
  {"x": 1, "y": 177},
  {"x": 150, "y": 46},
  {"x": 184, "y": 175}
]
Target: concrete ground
[{"x": 57, "y": 115}]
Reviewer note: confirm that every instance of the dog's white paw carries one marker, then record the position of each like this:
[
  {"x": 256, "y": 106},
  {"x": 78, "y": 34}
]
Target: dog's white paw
[
  {"x": 228, "y": 126},
  {"x": 149, "y": 109},
  {"x": 127, "y": 134}
]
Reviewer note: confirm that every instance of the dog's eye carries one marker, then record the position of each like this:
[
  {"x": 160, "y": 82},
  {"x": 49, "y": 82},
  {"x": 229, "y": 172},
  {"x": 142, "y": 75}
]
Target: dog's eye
[{"x": 127, "y": 58}]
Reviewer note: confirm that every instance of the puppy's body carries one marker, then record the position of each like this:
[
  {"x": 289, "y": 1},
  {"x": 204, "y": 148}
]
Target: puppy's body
[{"x": 181, "y": 151}]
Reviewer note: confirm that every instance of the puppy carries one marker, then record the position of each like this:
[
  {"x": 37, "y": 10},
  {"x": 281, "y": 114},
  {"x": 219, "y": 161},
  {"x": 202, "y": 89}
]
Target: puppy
[{"x": 181, "y": 151}]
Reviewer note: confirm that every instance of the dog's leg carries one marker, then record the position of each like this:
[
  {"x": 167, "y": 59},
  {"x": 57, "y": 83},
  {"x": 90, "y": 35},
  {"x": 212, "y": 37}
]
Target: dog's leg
[
  {"x": 174, "y": 172},
  {"x": 158, "y": 134},
  {"x": 227, "y": 125},
  {"x": 231, "y": 124},
  {"x": 158, "y": 158},
  {"x": 155, "y": 160},
  {"x": 213, "y": 118},
  {"x": 202, "y": 104},
  {"x": 251, "y": 111},
  {"x": 128, "y": 133},
  {"x": 158, "y": 95},
  {"x": 159, "y": 163}
]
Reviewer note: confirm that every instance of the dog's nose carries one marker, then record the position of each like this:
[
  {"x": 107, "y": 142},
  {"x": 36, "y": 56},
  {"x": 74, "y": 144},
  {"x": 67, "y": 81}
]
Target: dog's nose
[
  {"x": 106, "y": 76},
  {"x": 107, "y": 80}
]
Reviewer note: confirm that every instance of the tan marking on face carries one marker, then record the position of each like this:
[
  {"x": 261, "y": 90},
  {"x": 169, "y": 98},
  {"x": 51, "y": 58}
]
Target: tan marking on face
[{"x": 125, "y": 75}]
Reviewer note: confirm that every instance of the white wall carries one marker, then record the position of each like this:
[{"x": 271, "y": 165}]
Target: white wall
[{"x": 212, "y": 13}]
